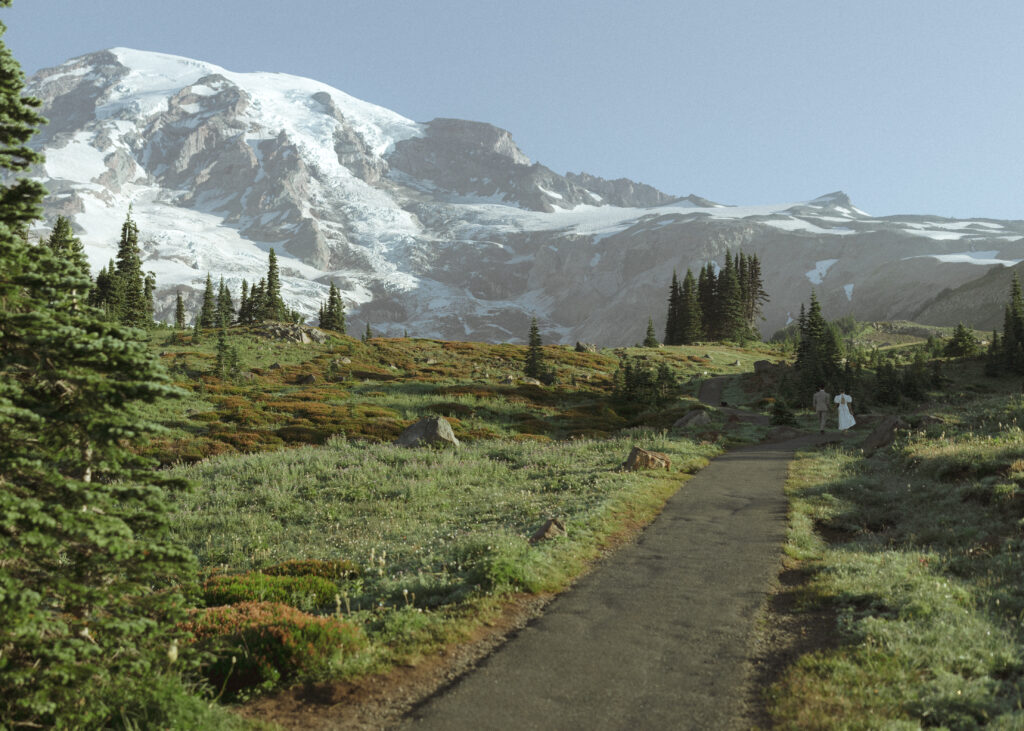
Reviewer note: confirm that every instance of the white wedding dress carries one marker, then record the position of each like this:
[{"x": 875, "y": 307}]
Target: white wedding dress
[{"x": 846, "y": 419}]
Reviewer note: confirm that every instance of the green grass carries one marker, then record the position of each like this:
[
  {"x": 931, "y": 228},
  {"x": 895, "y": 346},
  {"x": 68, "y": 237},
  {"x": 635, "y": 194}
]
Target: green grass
[
  {"x": 919, "y": 552},
  {"x": 437, "y": 536}
]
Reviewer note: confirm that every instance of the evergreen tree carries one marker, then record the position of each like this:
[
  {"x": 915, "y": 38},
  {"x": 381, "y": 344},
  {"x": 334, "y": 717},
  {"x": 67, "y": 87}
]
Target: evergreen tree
[
  {"x": 690, "y": 319},
  {"x": 754, "y": 293},
  {"x": 243, "y": 303},
  {"x": 66, "y": 246},
  {"x": 650, "y": 339},
  {"x": 255, "y": 303},
  {"x": 818, "y": 355},
  {"x": 226, "y": 364},
  {"x": 672, "y": 320},
  {"x": 208, "y": 311},
  {"x": 707, "y": 295},
  {"x": 273, "y": 306},
  {"x": 332, "y": 313},
  {"x": 130, "y": 306},
  {"x": 224, "y": 309},
  {"x": 148, "y": 291},
  {"x": 179, "y": 312},
  {"x": 368, "y": 334},
  {"x": 1013, "y": 329},
  {"x": 103, "y": 294},
  {"x": 962, "y": 343},
  {"x": 731, "y": 323},
  {"x": 89, "y": 576},
  {"x": 533, "y": 365}
]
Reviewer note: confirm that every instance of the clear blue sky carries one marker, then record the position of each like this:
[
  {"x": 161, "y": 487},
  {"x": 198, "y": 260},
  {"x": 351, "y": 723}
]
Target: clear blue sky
[{"x": 910, "y": 106}]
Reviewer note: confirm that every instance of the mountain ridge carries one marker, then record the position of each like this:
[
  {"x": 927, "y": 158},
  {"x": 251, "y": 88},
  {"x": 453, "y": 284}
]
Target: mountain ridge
[{"x": 443, "y": 228}]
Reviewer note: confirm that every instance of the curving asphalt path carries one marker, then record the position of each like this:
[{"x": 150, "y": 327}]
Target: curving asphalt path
[{"x": 658, "y": 636}]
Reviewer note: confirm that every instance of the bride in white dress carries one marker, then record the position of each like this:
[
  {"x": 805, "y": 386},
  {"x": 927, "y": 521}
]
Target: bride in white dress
[{"x": 846, "y": 419}]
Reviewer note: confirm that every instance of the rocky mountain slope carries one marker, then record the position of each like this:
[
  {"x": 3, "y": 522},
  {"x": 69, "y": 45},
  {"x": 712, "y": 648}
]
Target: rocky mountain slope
[{"x": 443, "y": 228}]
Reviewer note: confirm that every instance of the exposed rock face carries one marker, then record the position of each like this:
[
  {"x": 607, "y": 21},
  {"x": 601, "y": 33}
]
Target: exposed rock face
[
  {"x": 291, "y": 332},
  {"x": 446, "y": 229},
  {"x": 429, "y": 431},
  {"x": 624, "y": 192},
  {"x": 643, "y": 459}
]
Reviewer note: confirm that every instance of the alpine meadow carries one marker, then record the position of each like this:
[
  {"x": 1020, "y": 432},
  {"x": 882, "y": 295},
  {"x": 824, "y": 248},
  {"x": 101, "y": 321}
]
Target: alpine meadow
[{"x": 313, "y": 416}]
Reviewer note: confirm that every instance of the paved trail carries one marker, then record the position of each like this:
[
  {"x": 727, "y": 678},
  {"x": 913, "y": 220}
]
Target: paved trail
[{"x": 658, "y": 636}]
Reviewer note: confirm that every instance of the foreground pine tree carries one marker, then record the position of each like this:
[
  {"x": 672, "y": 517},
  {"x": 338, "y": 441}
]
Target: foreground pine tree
[{"x": 90, "y": 581}]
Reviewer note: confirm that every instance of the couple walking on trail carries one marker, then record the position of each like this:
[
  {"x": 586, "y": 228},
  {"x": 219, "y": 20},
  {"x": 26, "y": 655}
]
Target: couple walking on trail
[{"x": 821, "y": 406}]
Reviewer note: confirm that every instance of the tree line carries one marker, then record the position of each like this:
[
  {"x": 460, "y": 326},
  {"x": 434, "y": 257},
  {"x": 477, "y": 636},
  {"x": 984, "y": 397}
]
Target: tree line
[{"x": 716, "y": 305}]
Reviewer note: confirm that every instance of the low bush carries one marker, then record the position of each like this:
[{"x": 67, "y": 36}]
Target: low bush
[
  {"x": 302, "y": 591},
  {"x": 339, "y": 569},
  {"x": 259, "y": 645}
]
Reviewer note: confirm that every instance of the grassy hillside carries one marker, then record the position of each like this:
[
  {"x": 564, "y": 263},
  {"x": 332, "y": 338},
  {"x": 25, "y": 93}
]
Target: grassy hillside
[
  {"x": 913, "y": 566},
  {"x": 291, "y": 394},
  {"x": 314, "y": 531}
]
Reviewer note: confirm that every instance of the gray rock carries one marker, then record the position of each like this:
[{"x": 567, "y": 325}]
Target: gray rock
[
  {"x": 532, "y": 381},
  {"x": 552, "y": 528},
  {"x": 585, "y": 347},
  {"x": 306, "y": 379},
  {"x": 429, "y": 431}
]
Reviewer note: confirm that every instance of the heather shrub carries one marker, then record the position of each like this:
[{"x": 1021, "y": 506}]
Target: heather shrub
[
  {"x": 339, "y": 569},
  {"x": 259, "y": 645},
  {"x": 302, "y": 592}
]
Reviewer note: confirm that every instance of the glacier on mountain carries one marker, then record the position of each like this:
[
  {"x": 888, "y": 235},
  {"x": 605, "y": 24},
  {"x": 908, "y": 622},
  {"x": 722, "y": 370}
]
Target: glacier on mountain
[{"x": 439, "y": 229}]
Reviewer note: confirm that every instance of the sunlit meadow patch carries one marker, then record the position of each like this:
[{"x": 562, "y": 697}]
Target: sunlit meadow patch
[{"x": 920, "y": 553}]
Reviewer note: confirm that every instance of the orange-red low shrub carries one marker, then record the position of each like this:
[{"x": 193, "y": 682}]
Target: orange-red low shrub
[{"x": 260, "y": 645}]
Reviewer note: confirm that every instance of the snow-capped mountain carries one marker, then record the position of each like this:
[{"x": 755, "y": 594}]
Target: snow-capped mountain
[{"x": 442, "y": 228}]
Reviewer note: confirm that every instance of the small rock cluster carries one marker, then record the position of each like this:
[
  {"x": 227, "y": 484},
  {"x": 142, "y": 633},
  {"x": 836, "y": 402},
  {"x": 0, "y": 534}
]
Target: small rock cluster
[{"x": 291, "y": 332}]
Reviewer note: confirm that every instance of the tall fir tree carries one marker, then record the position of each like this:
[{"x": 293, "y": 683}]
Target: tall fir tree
[
  {"x": 274, "y": 307},
  {"x": 707, "y": 294},
  {"x": 130, "y": 304},
  {"x": 533, "y": 364},
  {"x": 673, "y": 318},
  {"x": 332, "y": 313},
  {"x": 179, "y": 312},
  {"x": 731, "y": 323},
  {"x": 103, "y": 295},
  {"x": 818, "y": 353},
  {"x": 224, "y": 309},
  {"x": 1012, "y": 345},
  {"x": 148, "y": 297},
  {"x": 65, "y": 245},
  {"x": 208, "y": 310},
  {"x": 754, "y": 294},
  {"x": 90, "y": 580},
  {"x": 691, "y": 325},
  {"x": 253, "y": 312},
  {"x": 243, "y": 302}
]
